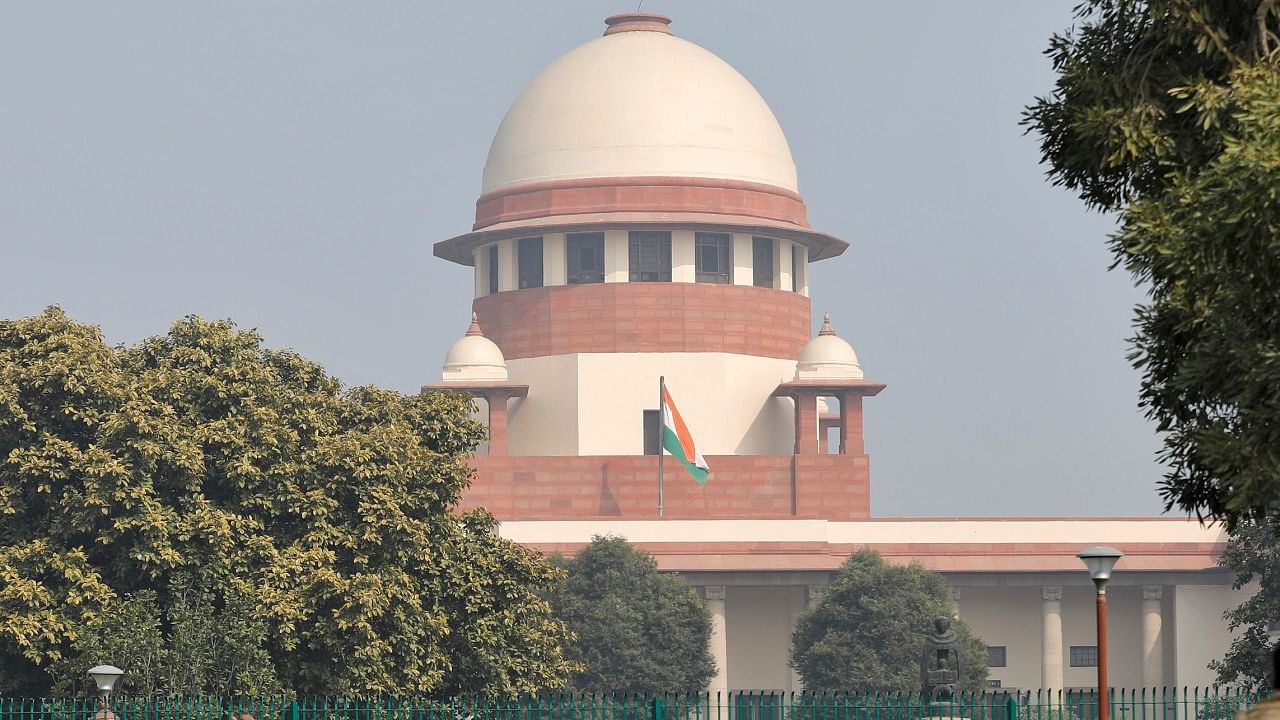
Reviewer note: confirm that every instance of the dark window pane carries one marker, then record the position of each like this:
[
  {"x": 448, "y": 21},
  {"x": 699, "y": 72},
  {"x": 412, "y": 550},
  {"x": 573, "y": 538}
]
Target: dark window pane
[
  {"x": 585, "y": 256},
  {"x": 493, "y": 268},
  {"x": 762, "y": 261},
  {"x": 713, "y": 257},
  {"x": 996, "y": 656},
  {"x": 650, "y": 256},
  {"x": 652, "y": 443},
  {"x": 529, "y": 262},
  {"x": 1084, "y": 656}
]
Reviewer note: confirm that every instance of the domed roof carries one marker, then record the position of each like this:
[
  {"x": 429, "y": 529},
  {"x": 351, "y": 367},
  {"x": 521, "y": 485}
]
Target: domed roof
[
  {"x": 474, "y": 357},
  {"x": 828, "y": 357},
  {"x": 639, "y": 102}
]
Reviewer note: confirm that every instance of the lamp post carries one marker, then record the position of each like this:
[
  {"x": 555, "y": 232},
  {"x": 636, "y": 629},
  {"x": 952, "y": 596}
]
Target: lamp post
[
  {"x": 1100, "y": 560},
  {"x": 104, "y": 677}
]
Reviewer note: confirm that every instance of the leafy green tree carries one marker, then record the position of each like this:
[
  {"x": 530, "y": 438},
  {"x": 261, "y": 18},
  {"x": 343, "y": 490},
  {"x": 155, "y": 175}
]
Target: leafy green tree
[
  {"x": 219, "y": 650},
  {"x": 1167, "y": 112},
  {"x": 636, "y": 629},
  {"x": 1254, "y": 556},
  {"x": 868, "y": 632},
  {"x": 201, "y": 503}
]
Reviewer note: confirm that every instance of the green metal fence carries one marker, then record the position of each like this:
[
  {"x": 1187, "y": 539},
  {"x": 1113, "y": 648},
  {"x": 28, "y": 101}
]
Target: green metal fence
[{"x": 1145, "y": 704}]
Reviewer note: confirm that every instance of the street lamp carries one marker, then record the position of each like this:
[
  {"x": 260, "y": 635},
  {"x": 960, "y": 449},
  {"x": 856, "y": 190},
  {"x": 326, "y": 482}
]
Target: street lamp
[
  {"x": 105, "y": 676},
  {"x": 1100, "y": 559}
]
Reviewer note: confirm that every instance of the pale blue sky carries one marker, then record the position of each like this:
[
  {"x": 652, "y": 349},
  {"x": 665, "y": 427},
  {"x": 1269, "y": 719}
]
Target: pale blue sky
[{"x": 289, "y": 164}]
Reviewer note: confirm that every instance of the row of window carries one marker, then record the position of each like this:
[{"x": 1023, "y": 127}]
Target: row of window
[
  {"x": 1080, "y": 656},
  {"x": 649, "y": 258}
]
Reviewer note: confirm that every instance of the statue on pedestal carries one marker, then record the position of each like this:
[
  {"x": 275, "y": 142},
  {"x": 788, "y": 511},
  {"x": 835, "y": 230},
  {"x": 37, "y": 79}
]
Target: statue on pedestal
[{"x": 940, "y": 666}]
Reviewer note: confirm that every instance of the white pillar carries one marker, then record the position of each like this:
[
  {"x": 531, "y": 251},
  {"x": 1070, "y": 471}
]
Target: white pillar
[
  {"x": 682, "y": 256},
  {"x": 955, "y": 603},
  {"x": 743, "y": 259},
  {"x": 480, "y": 258},
  {"x": 617, "y": 256},
  {"x": 1051, "y": 643},
  {"x": 719, "y": 640},
  {"x": 1152, "y": 637},
  {"x": 554, "y": 267}
]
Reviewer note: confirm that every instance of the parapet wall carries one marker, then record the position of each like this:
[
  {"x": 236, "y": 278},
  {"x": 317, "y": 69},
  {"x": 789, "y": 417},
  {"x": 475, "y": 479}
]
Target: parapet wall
[{"x": 832, "y": 487}]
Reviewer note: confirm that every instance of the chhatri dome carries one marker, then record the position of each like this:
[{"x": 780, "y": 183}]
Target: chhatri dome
[
  {"x": 639, "y": 102},
  {"x": 828, "y": 357},
  {"x": 474, "y": 357}
]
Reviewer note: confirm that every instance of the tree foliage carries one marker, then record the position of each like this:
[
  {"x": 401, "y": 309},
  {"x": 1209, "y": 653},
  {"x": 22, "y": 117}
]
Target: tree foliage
[
  {"x": 1168, "y": 112},
  {"x": 201, "y": 503},
  {"x": 868, "y": 632},
  {"x": 636, "y": 629},
  {"x": 1254, "y": 556}
]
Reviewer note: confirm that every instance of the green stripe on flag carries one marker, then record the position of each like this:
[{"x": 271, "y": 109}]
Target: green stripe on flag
[{"x": 672, "y": 445}]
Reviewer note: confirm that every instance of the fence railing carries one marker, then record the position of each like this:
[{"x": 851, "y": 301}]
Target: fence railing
[{"x": 1142, "y": 704}]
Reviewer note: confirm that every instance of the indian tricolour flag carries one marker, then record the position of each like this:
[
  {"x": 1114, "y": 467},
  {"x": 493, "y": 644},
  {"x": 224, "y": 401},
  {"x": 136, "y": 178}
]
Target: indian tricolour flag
[{"x": 677, "y": 440}]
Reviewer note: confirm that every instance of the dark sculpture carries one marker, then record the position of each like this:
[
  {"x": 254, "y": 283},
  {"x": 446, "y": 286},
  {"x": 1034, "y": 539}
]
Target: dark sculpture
[{"x": 940, "y": 667}]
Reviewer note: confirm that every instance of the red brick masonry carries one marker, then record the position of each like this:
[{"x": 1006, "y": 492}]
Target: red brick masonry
[
  {"x": 639, "y": 194},
  {"x": 943, "y": 557},
  {"x": 646, "y": 317},
  {"x": 832, "y": 487}
]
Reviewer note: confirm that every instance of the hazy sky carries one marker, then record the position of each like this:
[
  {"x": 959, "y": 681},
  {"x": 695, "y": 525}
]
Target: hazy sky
[{"x": 289, "y": 164}]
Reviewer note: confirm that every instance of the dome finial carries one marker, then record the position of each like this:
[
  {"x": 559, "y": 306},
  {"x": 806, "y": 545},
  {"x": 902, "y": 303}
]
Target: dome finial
[
  {"x": 475, "y": 326},
  {"x": 826, "y": 328},
  {"x": 637, "y": 22}
]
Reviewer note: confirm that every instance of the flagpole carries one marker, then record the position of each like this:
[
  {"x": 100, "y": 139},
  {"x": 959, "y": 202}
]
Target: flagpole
[{"x": 662, "y": 406}]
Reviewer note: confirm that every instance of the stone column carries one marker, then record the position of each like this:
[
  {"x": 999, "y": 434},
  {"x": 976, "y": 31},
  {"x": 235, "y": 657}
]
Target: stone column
[
  {"x": 806, "y": 422},
  {"x": 1051, "y": 643},
  {"x": 1152, "y": 637},
  {"x": 719, "y": 640},
  {"x": 824, "y": 430},
  {"x": 851, "y": 424},
  {"x": 497, "y": 402}
]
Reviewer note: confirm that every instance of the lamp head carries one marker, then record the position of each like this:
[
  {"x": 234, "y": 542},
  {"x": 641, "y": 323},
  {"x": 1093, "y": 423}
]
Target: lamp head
[
  {"x": 105, "y": 676},
  {"x": 1100, "y": 559}
]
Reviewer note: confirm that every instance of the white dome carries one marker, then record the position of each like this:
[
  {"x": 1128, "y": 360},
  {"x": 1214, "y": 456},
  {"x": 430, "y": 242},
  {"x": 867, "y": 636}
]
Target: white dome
[
  {"x": 639, "y": 103},
  {"x": 474, "y": 357},
  {"x": 828, "y": 357}
]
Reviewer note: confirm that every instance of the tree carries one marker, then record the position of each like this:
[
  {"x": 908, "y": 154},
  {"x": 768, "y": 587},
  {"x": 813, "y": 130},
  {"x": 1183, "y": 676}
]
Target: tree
[
  {"x": 1254, "y": 556},
  {"x": 636, "y": 629},
  {"x": 868, "y": 632},
  {"x": 200, "y": 502},
  {"x": 1168, "y": 113}
]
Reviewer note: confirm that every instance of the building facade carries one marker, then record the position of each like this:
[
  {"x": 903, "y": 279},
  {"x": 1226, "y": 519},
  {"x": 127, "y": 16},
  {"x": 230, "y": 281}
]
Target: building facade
[{"x": 640, "y": 217}]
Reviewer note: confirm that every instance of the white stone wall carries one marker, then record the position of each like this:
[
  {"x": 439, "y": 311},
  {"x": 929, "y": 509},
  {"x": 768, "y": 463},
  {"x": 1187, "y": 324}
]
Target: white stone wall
[
  {"x": 1200, "y": 633},
  {"x": 593, "y": 403}
]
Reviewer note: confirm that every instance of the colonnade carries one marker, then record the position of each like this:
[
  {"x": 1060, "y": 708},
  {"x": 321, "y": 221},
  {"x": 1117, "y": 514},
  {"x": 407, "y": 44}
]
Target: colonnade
[
  {"x": 1053, "y": 651},
  {"x": 1052, "y": 655}
]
